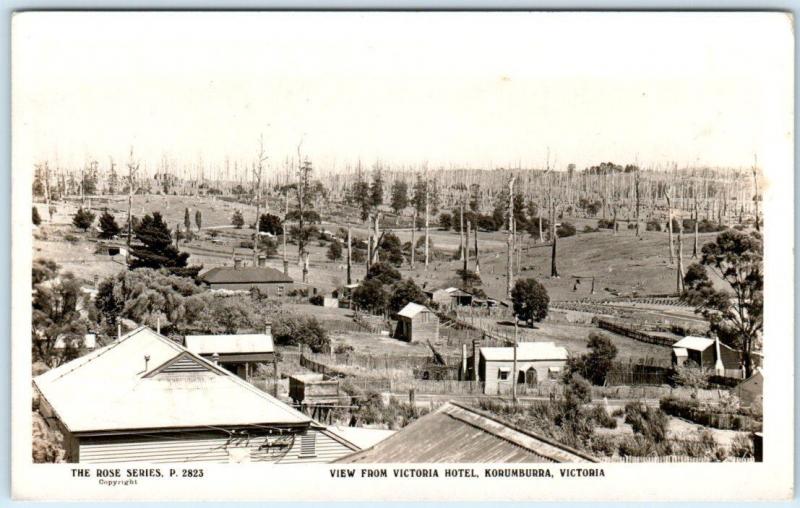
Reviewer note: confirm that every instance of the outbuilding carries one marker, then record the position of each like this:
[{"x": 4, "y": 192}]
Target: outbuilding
[
  {"x": 704, "y": 353},
  {"x": 417, "y": 323},
  {"x": 236, "y": 353}
]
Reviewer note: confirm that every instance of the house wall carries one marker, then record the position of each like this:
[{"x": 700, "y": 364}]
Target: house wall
[
  {"x": 162, "y": 447},
  {"x": 424, "y": 326},
  {"x": 268, "y": 288},
  {"x": 489, "y": 371}
]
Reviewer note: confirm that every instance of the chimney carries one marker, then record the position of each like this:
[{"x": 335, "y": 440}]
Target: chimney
[
  {"x": 237, "y": 263},
  {"x": 268, "y": 328},
  {"x": 146, "y": 361},
  {"x": 719, "y": 367},
  {"x": 158, "y": 325},
  {"x": 475, "y": 359},
  {"x": 215, "y": 358},
  {"x": 463, "y": 362},
  {"x": 119, "y": 331},
  {"x": 262, "y": 260}
]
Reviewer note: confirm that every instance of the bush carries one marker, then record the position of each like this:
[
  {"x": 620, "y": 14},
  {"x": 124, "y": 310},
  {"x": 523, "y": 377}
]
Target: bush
[
  {"x": 246, "y": 244},
  {"x": 605, "y": 224},
  {"x": 237, "y": 220},
  {"x": 291, "y": 330},
  {"x": 653, "y": 225},
  {"x": 577, "y": 391},
  {"x": 631, "y": 226},
  {"x": 589, "y": 229},
  {"x": 617, "y": 412},
  {"x": 649, "y": 422},
  {"x": 316, "y": 300},
  {"x": 343, "y": 349},
  {"x": 742, "y": 446},
  {"x": 334, "y": 251},
  {"x": 83, "y": 219},
  {"x": 71, "y": 238},
  {"x": 565, "y": 229},
  {"x": 36, "y": 219},
  {"x": 599, "y": 415}
]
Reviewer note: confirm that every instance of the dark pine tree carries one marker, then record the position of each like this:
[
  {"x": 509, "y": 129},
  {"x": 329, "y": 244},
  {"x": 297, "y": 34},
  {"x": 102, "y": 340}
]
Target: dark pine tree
[
  {"x": 108, "y": 226},
  {"x": 157, "y": 249}
]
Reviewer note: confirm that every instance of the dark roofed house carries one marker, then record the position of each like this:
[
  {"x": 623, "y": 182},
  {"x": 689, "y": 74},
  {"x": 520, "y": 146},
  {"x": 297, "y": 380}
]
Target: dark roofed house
[
  {"x": 458, "y": 434},
  {"x": 244, "y": 278}
]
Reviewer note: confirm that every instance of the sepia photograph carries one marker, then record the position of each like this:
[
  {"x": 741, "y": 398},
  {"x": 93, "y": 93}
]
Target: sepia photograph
[{"x": 480, "y": 247}]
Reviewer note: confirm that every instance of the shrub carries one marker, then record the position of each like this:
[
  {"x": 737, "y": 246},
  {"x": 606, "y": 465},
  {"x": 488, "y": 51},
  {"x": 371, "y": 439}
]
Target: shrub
[
  {"x": 617, "y": 412},
  {"x": 649, "y": 422},
  {"x": 237, "y": 219},
  {"x": 578, "y": 390},
  {"x": 742, "y": 446},
  {"x": 631, "y": 226},
  {"x": 605, "y": 224},
  {"x": 589, "y": 229},
  {"x": 599, "y": 415},
  {"x": 603, "y": 445},
  {"x": 246, "y": 244},
  {"x": 292, "y": 330},
  {"x": 565, "y": 229},
  {"x": 36, "y": 219},
  {"x": 316, "y": 300},
  {"x": 71, "y": 238},
  {"x": 653, "y": 225},
  {"x": 384, "y": 273},
  {"x": 334, "y": 251},
  {"x": 343, "y": 349}
]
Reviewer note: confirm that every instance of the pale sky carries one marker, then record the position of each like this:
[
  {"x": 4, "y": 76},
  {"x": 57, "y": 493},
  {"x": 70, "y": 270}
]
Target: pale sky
[{"x": 463, "y": 89}]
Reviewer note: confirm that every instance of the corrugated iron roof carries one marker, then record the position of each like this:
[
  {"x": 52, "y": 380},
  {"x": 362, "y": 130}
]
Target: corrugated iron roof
[
  {"x": 412, "y": 309},
  {"x": 458, "y": 434},
  {"x": 247, "y": 274},
  {"x": 244, "y": 343},
  {"x": 115, "y": 388},
  {"x": 360, "y": 436},
  {"x": 526, "y": 351},
  {"x": 694, "y": 343}
]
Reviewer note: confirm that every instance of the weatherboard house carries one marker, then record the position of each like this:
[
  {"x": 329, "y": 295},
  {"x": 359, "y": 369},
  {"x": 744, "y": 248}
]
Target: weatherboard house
[
  {"x": 536, "y": 362},
  {"x": 145, "y": 398},
  {"x": 238, "y": 353},
  {"x": 707, "y": 353},
  {"x": 268, "y": 281}
]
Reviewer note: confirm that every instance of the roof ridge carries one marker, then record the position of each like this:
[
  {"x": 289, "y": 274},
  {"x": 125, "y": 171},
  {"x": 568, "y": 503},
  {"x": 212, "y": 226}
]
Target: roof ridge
[{"x": 103, "y": 350}]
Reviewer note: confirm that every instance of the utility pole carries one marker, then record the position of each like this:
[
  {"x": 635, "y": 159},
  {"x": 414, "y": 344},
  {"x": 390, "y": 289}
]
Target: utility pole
[
  {"x": 285, "y": 233},
  {"x": 477, "y": 258},
  {"x": 349, "y": 258},
  {"x": 413, "y": 237},
  {"x": 510, "y": 239},
  {"x": 257, "y": 173},
  {"x": 427, "y": 218},
  {"x": 514, "y": 368}
]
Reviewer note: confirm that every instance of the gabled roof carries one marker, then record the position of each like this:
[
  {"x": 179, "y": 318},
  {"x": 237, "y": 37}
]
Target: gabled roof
[
  {"x": 244, "y": 343},
  {"x": 526, "y": 351},
  {"x": 360, "y": 436},
  {"x": 459, "y": 434},
  {"x": 694, "y": 343},
  {"x": 115, "y": 388},
  {"x": 244, "y": 275},
  {"x": 412, "y": 309}
]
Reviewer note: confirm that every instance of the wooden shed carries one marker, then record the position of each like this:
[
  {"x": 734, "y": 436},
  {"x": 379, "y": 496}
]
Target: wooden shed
[
  {"x": 702, "y": 351},
  {"x": 416, "y": 323},
  {"x": 309, "y": 389}
]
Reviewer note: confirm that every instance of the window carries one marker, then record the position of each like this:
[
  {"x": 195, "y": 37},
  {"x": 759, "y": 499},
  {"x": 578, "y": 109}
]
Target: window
[
  {"x": 308, "y": 444},
  {"x": 280, "y": 290},
  {"x": 502, "y": 374}
]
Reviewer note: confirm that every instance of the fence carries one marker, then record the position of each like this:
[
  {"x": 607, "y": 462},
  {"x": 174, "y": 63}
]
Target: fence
[
  {"x": 635, "y": 334},
  {"x": 638, "y": 375},
  {"x": 379, "y": 362},
  {"x": 669, "y": 459}
]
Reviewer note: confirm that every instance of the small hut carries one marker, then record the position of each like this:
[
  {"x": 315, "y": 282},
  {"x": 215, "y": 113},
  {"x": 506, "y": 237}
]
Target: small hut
[{"x": 416, "y": 323}]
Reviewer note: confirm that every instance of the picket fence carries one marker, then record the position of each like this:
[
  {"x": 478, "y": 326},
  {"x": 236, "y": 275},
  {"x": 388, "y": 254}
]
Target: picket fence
[{"x": 670, "y": 459}]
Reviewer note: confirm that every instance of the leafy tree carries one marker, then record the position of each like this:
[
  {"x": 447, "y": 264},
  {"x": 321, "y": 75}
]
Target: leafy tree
[
  {"x": 269, "y": 223},
  {"x": 292, "y": 330},
  {"x": 359, "y": 255},
  {"x": 399, "y": 195},
  {"x": 57, "y": 300},
  {"x": 446, "y": 221},
  {"x": 692, "y": 376},
  {"x": 157, "y": 249},
  {"x": 475, "y": 197},
  {"x": 735, "y": 315},
  {"x": 370, "y": 295},
  {"x": 391, "y": 249},
  {"x": 187, "y": 221},
  {"x": 376, "y": 189},
  {"x": 530, "y": 300},
  {"x": 418, "y": 198},
  {"x": 269, "y": 246},
  {"x": 335, "y": 250},
  {"x": 36, "y": 219},
  {"x": 237, "y": 219},
  {"x": 405, "y": 292},
  {"x": 383, "y": 273},
  {"x": 565, "y": 229},
  {"x": 83, "y": 219},
  {"x": 198, "y": 220},
  {"x": 108, "y": 226},
  {"x": 596, "y": 364},
  {"x": 469, "y": 279}
]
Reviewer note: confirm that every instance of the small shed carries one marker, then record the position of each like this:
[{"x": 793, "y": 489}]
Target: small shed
[
  {"x": 703, "y": 352},
  {"x": 416, "y": 323},
  {"x": 313, "y": 389}
]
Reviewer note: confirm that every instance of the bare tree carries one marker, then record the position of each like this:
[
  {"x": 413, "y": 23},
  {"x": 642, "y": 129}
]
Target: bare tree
[
  {"x": 668, "y": 196},
  {"x": 258, "y": 169},
  {"x": 133, "y": 168},
  {"x": 755, "y": 196},
  {"x": 510, "y": 239}
]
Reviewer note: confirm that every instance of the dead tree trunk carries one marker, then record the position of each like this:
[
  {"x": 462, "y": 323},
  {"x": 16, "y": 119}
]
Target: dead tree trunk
[
  {"x": 510, "y": 240},
  {"x": 755, "y": 197},
  {"x": 349, "y": 258},
  {"x": 477, "y": 259},
  {"x": 669, "y": 227},
  {"x": 636, "y": 195},
  {"x": 427, "y": 222},
  {"x": 679, "y": 271},
  {"x": 696, "y": 229},
  {"x": 553, "y": 254},
  {"x": 461, "y": 232},
  {"x": 466, "y": 250},
  {"x": 413, "y": 238}
]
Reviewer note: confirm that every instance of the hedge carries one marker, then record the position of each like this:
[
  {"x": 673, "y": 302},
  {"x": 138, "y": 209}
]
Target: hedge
[{"x": 719, "y": 418}]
